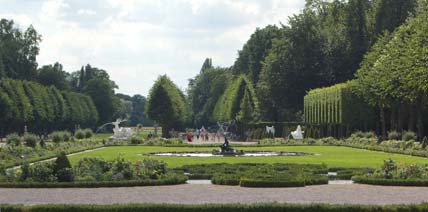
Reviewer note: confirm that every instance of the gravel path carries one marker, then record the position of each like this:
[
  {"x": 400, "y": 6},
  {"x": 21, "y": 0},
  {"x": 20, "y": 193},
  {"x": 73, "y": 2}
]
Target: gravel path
[{"x": 201, "y": 194}]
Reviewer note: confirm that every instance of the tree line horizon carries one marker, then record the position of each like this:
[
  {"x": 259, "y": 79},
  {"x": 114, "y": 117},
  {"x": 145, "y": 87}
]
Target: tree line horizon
[{"x": 329, "y": 42}]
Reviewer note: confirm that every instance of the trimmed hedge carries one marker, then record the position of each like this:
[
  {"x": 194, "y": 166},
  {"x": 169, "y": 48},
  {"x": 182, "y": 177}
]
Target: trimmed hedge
[
  {"x": 246, "y": 182},
  {"x": 172, "y": 180},
  {"x": 389, "y": 182},
  {"x": 215, "y": 208}
]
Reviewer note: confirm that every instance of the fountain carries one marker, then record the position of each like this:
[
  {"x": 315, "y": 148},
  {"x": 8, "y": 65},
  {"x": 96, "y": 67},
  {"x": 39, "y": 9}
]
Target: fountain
[{"x": 119, "y": 133}]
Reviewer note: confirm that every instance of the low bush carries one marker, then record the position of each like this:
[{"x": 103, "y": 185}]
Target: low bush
[
  {"x": 394, "y": 135},
  {"x": 88, "y": 133},
  {"x": 79, "y": 134},
  {"x": 13, "y": 139},
  {"x": 408, "y": 136},
  {"x": 258, "y": 175},
  {"x": 260, "y": 207},
  {"x": 136, "y": 140},
  {"x": 389, "y": 182},
  {"x": 221, "y": 179},
  {"x": 30, "y": 140},
  {"x": 167, "y": 180},
  {"x": 248, "y": 182},
  {"x": 56, "y": 136}
]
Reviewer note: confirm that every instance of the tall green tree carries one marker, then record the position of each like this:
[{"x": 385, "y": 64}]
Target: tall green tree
[
  {"x": 203, "y": 93},
  {"x": 249, "y": 61},
  {"x": 53, "y": 75},
  {"x": 102, "y": 95},
  {"x": 239, "y": 102},
  {"x": 166, "y": 105},
  {"x": 19, "y": 50}
]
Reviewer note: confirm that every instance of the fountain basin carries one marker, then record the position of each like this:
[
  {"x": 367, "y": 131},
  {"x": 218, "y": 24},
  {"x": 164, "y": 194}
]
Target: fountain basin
[{"x": 210, "y": 154}]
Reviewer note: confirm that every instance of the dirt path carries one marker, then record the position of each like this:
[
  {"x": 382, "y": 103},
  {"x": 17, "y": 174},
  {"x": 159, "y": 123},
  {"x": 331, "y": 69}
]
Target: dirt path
[{"x": 201, "y": 194}]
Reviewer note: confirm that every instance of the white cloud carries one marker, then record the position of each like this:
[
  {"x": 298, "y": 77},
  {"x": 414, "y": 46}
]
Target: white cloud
[
  {"x": 135, "y": 41},
  {"x": 86, "y": 12}
]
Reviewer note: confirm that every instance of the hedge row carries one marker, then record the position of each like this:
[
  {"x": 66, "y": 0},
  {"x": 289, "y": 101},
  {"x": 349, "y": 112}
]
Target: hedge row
[
  {"x": 40, "y": 107},
  {"x": 274, "y": 207},
  {"x": 337, "y": 105},
  {"x": 390, "y": 182},
  {"x": 173, "y": 180}
]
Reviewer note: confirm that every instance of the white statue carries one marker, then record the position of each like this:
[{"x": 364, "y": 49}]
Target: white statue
[
  {"x": 298, "y": 134},
  {"x": 270, "y": 130},
  {"x": 121, "y": 133}
]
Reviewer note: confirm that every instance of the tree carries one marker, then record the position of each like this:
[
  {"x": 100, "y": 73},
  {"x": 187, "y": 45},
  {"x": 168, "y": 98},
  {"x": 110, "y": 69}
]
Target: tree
[
  {"x": 250, "y": 58},
  {"x": 19, "y": 50},
  {"x": 138, "y": 115},
  {"x": 53, "y": 75},
  {"x": 234, "y": 105},
  {"x": 166, "y": 105},
  {"x": 102, "y": 95},
  {"x": 203, "y": 93}
]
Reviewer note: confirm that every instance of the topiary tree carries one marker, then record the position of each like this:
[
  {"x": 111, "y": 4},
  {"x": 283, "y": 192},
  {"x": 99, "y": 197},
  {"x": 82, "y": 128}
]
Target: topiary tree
[
  {"x": 239, "y": 102},
  {"x": 166, "y": 105},
  {"x": 61, "y": 162}
]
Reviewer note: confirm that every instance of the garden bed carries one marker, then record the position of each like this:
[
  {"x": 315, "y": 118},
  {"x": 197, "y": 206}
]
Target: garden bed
[
  {"x": 390, "y": 182},
  {"x": 213, "y": 208}
]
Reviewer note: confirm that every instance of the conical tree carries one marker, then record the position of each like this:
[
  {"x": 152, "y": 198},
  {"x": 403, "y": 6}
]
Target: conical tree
[{"x": 166, "y": 105}]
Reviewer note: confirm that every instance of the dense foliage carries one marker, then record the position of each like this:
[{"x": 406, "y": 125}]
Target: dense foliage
[
  {"x": 393, "y": 76},
  {"x": 89, "y": 170},
  {"x": 258, "y": 175},
  {"x": 239, "y": 102},
  {"x": 42, "y": 109},
  {"x": 166, "y": 105},
  {"x": 337, "y": 107}
]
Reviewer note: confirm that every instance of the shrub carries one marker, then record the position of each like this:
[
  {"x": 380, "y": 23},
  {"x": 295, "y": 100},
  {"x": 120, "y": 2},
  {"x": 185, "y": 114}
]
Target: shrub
[
  {"x": 394, "y": 135},
  {"x": 136, "y": 140},
  {"x": 57, "y": 136},
  {"x": 358, "y": 134},
  {"x": 88, "y": 133},
  {"x": 370, "y": 135},
  {"x": 246, "y": 182},
  {"x": 61, "y": 162},
  {"x": 409, "y": 135},
  {"x": 66, "y": 136},
  {"x": 42, "y": 172},
  {"x": 79, "y": 134},
  {"x": 13, "y": 139},
  {"x": 30, "y": 140},
  {"x": 65, "y": 175},
  {"x": 424, "y": 142}
]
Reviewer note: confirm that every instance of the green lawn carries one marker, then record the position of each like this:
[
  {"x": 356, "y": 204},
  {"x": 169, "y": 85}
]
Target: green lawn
[{"x": 332, "y": 156}]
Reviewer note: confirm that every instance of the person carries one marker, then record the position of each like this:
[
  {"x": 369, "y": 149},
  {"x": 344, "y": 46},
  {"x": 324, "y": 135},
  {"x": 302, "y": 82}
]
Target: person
[
  {"x": 189, "y": 136},
  {"x": 150, "y": 135},
  {"x": 197, "y": 133}
]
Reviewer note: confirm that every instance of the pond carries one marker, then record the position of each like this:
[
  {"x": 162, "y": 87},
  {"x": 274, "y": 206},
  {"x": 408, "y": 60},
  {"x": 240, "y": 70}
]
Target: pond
[{"x": 210, "y": 154}]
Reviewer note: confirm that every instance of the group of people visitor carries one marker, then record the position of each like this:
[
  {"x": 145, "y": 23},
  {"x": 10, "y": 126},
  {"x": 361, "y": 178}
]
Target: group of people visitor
[{"x": 203, "y": 135}]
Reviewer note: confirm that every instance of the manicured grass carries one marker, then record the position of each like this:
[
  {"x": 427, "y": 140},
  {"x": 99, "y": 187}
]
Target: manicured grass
[{"x": 332, "y": 156}]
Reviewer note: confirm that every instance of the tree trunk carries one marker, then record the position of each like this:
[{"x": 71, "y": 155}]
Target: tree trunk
[
  {"x": 382, "y": 122},
  {"x": 411, "y": 118},
  {"x": 420, "y": 122},
  {"x": 165, "y": 132},
  {"x": 399, "y": 119}
]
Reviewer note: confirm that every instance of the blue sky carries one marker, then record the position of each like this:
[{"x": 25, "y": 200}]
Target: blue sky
[{"x": 136, "y": 41}]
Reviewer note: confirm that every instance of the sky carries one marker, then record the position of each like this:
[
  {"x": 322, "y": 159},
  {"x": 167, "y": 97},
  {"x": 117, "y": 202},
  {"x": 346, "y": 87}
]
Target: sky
[{"x": 136, "y": 41}]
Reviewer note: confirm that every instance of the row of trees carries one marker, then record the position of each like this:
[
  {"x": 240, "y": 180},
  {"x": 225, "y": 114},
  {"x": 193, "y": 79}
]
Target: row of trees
[
  {"x": 394, "y": 76},
  {"x": 41, "y": 108},
  {"x": 18, "y": 52},
  {"x": 320, "y": 47}
]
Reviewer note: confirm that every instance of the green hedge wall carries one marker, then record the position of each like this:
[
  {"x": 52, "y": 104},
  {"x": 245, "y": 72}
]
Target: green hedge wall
[
  {"x": 338, "y": 105},
  {"x": 40, "y": 107},
  {"x": 272, "y": 207},
  {"x": 389, "y": 182},
  {"x": 174, "y": 180}
]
